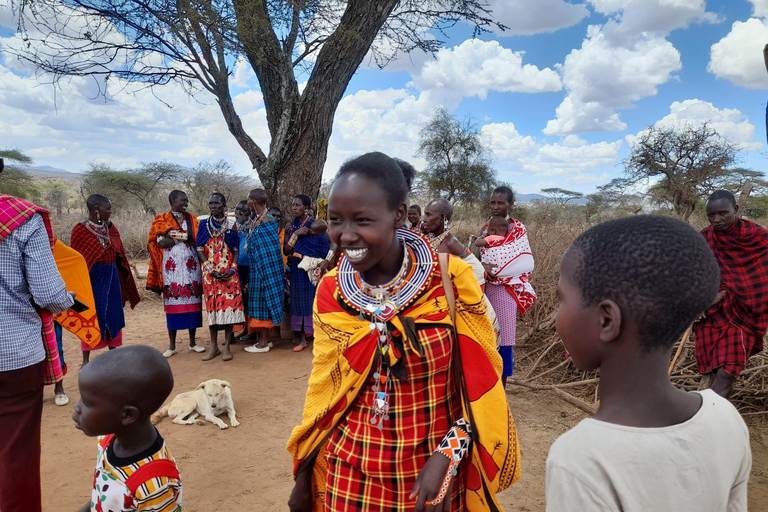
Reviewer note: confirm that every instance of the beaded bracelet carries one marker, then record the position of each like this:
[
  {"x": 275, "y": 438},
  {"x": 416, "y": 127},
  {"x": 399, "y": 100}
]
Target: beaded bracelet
[
  {"x": 330, "y": 255},
  {"x": 454, "y": 445}
]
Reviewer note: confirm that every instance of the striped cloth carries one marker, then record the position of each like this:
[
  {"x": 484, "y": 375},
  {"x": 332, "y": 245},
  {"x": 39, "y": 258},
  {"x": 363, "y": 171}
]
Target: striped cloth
[
  {"x": 371, "y": 469},
  {"x": 160, "y": 494},
  {"x": 29, "y": 274},
  {"x": 265, "y": 289}
]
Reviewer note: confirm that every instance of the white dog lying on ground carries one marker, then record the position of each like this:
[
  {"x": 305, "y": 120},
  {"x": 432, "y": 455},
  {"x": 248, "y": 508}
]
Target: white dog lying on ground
[{"x": 212, "y": 398}]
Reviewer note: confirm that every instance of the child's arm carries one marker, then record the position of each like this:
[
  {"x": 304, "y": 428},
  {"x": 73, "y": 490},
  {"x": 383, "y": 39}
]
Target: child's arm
[{"x": 480, "y": 242}]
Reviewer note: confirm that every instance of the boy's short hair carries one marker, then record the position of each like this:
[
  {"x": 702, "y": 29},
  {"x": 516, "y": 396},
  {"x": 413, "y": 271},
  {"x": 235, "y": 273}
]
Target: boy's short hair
[
  {"x": 499, "y": 223},
  {"x": 659, "y": 270},
  {"x": 135, "y": 375}
]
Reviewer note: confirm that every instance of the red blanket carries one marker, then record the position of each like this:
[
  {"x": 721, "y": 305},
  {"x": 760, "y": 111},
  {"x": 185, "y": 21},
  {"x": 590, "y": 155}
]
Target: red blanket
[
  {"x": 13, "y": 213},
  {"x": 86, "y": 243},
  {"x": 733, "y": 329}
]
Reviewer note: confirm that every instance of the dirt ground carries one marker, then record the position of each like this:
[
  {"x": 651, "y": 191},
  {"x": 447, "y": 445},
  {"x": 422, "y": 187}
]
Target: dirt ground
[{"x": 247, "y": 468}]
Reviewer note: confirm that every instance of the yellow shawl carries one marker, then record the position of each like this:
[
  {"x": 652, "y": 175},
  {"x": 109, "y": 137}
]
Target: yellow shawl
[
  {"x": 344, "y": 354},
  {"x": 74, "y": 271}
]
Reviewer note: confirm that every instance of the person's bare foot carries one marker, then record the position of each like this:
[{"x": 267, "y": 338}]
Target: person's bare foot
[{"x": 212, "y": 353}]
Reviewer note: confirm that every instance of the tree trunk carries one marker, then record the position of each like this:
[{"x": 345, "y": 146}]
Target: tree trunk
[{"x": 301, "y": 124}]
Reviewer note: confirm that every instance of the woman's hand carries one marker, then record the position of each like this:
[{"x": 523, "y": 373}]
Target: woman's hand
[
  {"x": 429, "y": 482},
  {"x": 489, "y": 270},
  {"x": 166, "y": 243},
  {"x": 301, "y": 231},
  {"x": 301, "y": 495}
]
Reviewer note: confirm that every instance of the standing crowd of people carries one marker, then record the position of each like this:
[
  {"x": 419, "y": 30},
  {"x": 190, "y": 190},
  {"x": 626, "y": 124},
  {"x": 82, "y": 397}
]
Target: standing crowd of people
[{"x": 412, "y": 335}]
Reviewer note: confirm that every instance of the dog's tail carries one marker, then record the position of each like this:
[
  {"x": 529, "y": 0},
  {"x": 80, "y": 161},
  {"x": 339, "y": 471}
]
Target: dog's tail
[{"x": 160, "y": 414}]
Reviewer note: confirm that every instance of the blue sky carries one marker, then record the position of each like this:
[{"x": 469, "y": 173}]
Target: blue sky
[{"x": 560, "y": 97}]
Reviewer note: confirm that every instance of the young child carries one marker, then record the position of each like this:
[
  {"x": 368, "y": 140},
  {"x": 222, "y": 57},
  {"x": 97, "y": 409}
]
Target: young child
[
  {"x": 497, "y": 230},
  {"x": 119, "y": 391},
  {"x": 628, "y": 289}
]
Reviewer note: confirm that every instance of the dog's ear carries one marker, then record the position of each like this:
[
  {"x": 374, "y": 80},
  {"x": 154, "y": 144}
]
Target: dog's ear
[
  {"x": 201, "y": 385},
  {"x": 226, "y": 384}
]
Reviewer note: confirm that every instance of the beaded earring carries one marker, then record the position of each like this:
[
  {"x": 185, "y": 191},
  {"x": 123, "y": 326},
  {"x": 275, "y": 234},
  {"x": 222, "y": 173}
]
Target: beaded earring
[
  {"x": 445, "y": 222},
  {"x": 98, "y": 216}
]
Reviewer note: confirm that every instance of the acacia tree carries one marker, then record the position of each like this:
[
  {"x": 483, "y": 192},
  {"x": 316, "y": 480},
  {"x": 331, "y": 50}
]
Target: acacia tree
[
  {"x": 14, "y": 180},
  {"x": 561, "y": 196},
  {"x": 141, "y": 185},
  {"x": 458, "y": 160},
  {"x": 689, "y": 162},
  {"x": 197, "y": 42}
]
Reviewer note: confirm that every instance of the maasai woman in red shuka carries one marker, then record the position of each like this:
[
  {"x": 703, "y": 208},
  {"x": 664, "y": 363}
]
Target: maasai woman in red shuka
[
  {"x": 98, "y": 240},
  {"x": 404, "y": 406},
  {"x": 732, "y": 329}
]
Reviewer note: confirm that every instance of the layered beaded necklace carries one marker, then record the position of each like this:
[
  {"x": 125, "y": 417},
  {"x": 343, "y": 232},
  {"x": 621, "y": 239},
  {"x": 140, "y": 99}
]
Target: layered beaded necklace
[
  {"x": 379, "y": 304},
  {"x": 214, "y": 231},
  {"x": 100, "y": 231},
  {"x": 436, "y": 241}
]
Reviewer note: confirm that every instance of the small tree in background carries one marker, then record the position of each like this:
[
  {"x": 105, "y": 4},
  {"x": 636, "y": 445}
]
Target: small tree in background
[
  {"x": 689, "y": 161},
  {"x": 458, "y": 160},
  {"x": 209, "y": 177},
  {"x": 138, "y": 187},
  {"x": 16, "y": 181},
  {"x": 560, "y": 196},
  {"x": 56, "y": 196}
]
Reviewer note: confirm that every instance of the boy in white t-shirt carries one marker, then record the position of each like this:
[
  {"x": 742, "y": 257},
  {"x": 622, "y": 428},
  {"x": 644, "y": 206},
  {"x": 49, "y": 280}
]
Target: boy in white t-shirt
[{"x": 628, "y": 289}]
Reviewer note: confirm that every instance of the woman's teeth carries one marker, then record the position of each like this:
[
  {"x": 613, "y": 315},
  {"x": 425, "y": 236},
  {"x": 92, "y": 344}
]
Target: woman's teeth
[{"x": 356, "y": 254}]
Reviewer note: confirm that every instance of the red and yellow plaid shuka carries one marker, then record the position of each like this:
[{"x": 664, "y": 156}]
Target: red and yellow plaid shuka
[
  {"x": 378, "y": 468},
  {"x": 13, "y": 213},
  {"x": 733, "y": 329}
]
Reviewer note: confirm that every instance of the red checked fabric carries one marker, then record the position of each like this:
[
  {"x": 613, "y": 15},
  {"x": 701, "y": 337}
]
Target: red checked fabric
[
  {"x": 372, "y": 469},
  {"x": 733, "y": 330}
]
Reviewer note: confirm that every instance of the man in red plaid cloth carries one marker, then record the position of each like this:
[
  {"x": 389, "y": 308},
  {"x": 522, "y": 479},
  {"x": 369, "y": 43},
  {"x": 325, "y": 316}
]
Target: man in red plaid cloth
[{"x": 732, "y": 329}]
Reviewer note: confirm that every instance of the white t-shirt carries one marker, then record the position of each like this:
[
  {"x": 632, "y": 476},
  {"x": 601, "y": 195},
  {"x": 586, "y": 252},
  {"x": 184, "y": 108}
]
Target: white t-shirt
[{"x": 700, "y": 465}]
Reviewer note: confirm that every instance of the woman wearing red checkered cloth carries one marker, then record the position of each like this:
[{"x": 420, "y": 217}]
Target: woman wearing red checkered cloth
[
  {"x": 400, "y": 415},
  {"x": 98, "y": 240},
  {"x": 733, "y": 328}
]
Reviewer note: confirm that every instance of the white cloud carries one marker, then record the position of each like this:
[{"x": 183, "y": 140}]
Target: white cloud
[
  {"x": 728, "y": 122},
  {"x": 524, "y": 17},
  {"x": 606, "y": 74},
  {"x": 654, "y": 16},
  {"x": 760, "y": 8},
  {"x": 571, "y": 157},
  {"x": 243, "y": 73},
  {"x": 475, "y": 67},
  {"x": 738, "y": 56},
  {"x": 68, "y": 127}
]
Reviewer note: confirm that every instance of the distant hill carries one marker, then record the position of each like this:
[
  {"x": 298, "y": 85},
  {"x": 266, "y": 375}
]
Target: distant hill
[{"x": 48, "y": 171}]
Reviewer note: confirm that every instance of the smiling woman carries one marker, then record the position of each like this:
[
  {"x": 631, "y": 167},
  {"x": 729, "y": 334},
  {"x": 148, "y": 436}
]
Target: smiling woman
[{"x": 387, "y": 391}]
